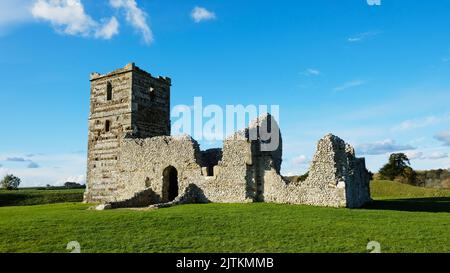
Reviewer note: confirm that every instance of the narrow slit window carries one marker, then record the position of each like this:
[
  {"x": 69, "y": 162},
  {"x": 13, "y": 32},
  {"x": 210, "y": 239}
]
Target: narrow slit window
[
  {"x": 108, "y": 91},
  {"x": 210, "y": 170},
  {"x": 107, "y": 126},
  {"x": 152, "y": 93}
]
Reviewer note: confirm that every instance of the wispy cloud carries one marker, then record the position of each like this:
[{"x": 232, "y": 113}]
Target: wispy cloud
[
  {"x": 382, "y": 147},
  {"x": 311, "y": 72},
  {"x": 413, "y": 155},
  {"x": 362, "y": 36},
  {"x": 69, "y": 17},
  {"x": 108, "y": 30},
  {"x": 200, "y": 14},
  {"x": 14, "y": 12},
  {"x": 350, "y": 84},
  {"x": 41, "y": 170},
  {"x": 16, "y": 159},
  {"x": 444, "y": 137},
  {"x": 300, "y": 160},
  {"x": 32, "y": 165},
  {"x": 136, "y": 17},
  {"x": 420, "y": 123},
  {"x": 438, "y": 155}
]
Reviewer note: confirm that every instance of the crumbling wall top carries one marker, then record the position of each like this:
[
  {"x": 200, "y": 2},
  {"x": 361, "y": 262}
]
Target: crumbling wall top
[{"x": 127, "y": 68}]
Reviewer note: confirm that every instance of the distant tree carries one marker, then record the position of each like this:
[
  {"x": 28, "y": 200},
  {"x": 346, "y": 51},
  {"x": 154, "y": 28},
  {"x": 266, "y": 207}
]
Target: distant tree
[
  {"x": 10, "y": 182},
  {"x": 370, "y": 174},
  {"x": 73, "y": 185},
  {"x": 398, "y": 168},
  {"x": 409, "y": 176}
]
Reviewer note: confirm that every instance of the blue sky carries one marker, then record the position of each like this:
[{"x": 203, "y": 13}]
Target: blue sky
[{"x": 377, "y": 76}]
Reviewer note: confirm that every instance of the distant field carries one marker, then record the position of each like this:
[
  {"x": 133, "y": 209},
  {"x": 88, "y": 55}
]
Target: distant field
[
  {"x": 27, "y": 197},
  {"x": 402, "y": 219},
  {"x": 391, "y": 190}
]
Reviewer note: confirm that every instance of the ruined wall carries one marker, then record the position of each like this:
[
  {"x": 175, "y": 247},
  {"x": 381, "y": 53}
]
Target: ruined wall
[
  {"x": 232, "y": 181},
  {"x": 142, "y": 162},
  {"x": 210, "y": 159},
  {"x": 244, "y": 174},
  {"x": 336, "y": 179}
]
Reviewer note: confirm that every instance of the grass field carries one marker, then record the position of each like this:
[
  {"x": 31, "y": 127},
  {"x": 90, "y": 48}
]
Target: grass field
[
  {"x": 28, "y": 197},
  {"x": 402, "y": 219}
]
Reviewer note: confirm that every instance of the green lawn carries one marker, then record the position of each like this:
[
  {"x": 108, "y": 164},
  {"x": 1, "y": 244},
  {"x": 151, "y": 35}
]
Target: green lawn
[{"x": 420, "y": 223}]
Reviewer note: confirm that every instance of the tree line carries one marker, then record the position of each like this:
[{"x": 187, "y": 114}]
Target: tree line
[{"x": 399, "y": 169}]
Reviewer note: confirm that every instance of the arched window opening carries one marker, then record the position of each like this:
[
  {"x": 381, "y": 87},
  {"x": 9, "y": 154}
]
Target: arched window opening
[{"x": 170, "y": 184}]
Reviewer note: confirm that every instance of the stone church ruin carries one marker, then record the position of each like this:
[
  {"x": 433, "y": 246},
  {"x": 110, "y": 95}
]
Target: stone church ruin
[{"x": 133, "y": 161}]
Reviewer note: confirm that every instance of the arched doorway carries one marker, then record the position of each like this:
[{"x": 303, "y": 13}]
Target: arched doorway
[{"x": 170, "y": 184}]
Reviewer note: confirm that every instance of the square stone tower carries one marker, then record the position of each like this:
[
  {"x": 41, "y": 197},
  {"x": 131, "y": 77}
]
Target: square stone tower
[{"x": 127, "y": 102}]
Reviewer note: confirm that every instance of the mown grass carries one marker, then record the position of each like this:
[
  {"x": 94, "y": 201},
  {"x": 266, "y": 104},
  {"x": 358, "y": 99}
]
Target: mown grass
[
  {"x": 241, "y": 228},
  {"x": 27, "y": 197}
]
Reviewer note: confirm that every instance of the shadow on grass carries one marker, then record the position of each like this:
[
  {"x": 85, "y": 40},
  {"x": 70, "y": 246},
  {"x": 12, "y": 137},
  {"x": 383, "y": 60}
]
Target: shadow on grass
[{"x": 432, "y": 204}]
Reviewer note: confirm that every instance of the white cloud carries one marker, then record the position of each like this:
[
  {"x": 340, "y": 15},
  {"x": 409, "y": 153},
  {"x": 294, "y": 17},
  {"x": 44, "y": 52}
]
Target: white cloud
[
  {"x": 382, "y": 147},
  {"x": 444, "y": 137},
  {"x": 14, "y": 11},
  {"x": 108, "y": 30},
  {"x": 69, "y": 17},
  {"x": 135, "y": 16},
  {"x": 438, "y": 155},
  {"x": 199, "y": 14},
  {"x": 349, "y": 85},
  {"x": 419, "y": 123},
  {"x": 80, "y": 179},
  {"x": 413, "y": 155},
  {"x": 53, "y": 169},
  {"x": 362, "y": 36},
  {"x": 300, "y": 160}
]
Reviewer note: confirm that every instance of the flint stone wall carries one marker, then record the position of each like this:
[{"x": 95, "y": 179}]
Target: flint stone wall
[
  {"x": 336, "y": 177},
  {"x": 142, "y": 162}
]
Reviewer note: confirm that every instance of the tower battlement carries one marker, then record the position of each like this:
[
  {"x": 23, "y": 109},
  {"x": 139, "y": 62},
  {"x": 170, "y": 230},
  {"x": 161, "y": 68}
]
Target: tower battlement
[{"x": 127, "y": 68}]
